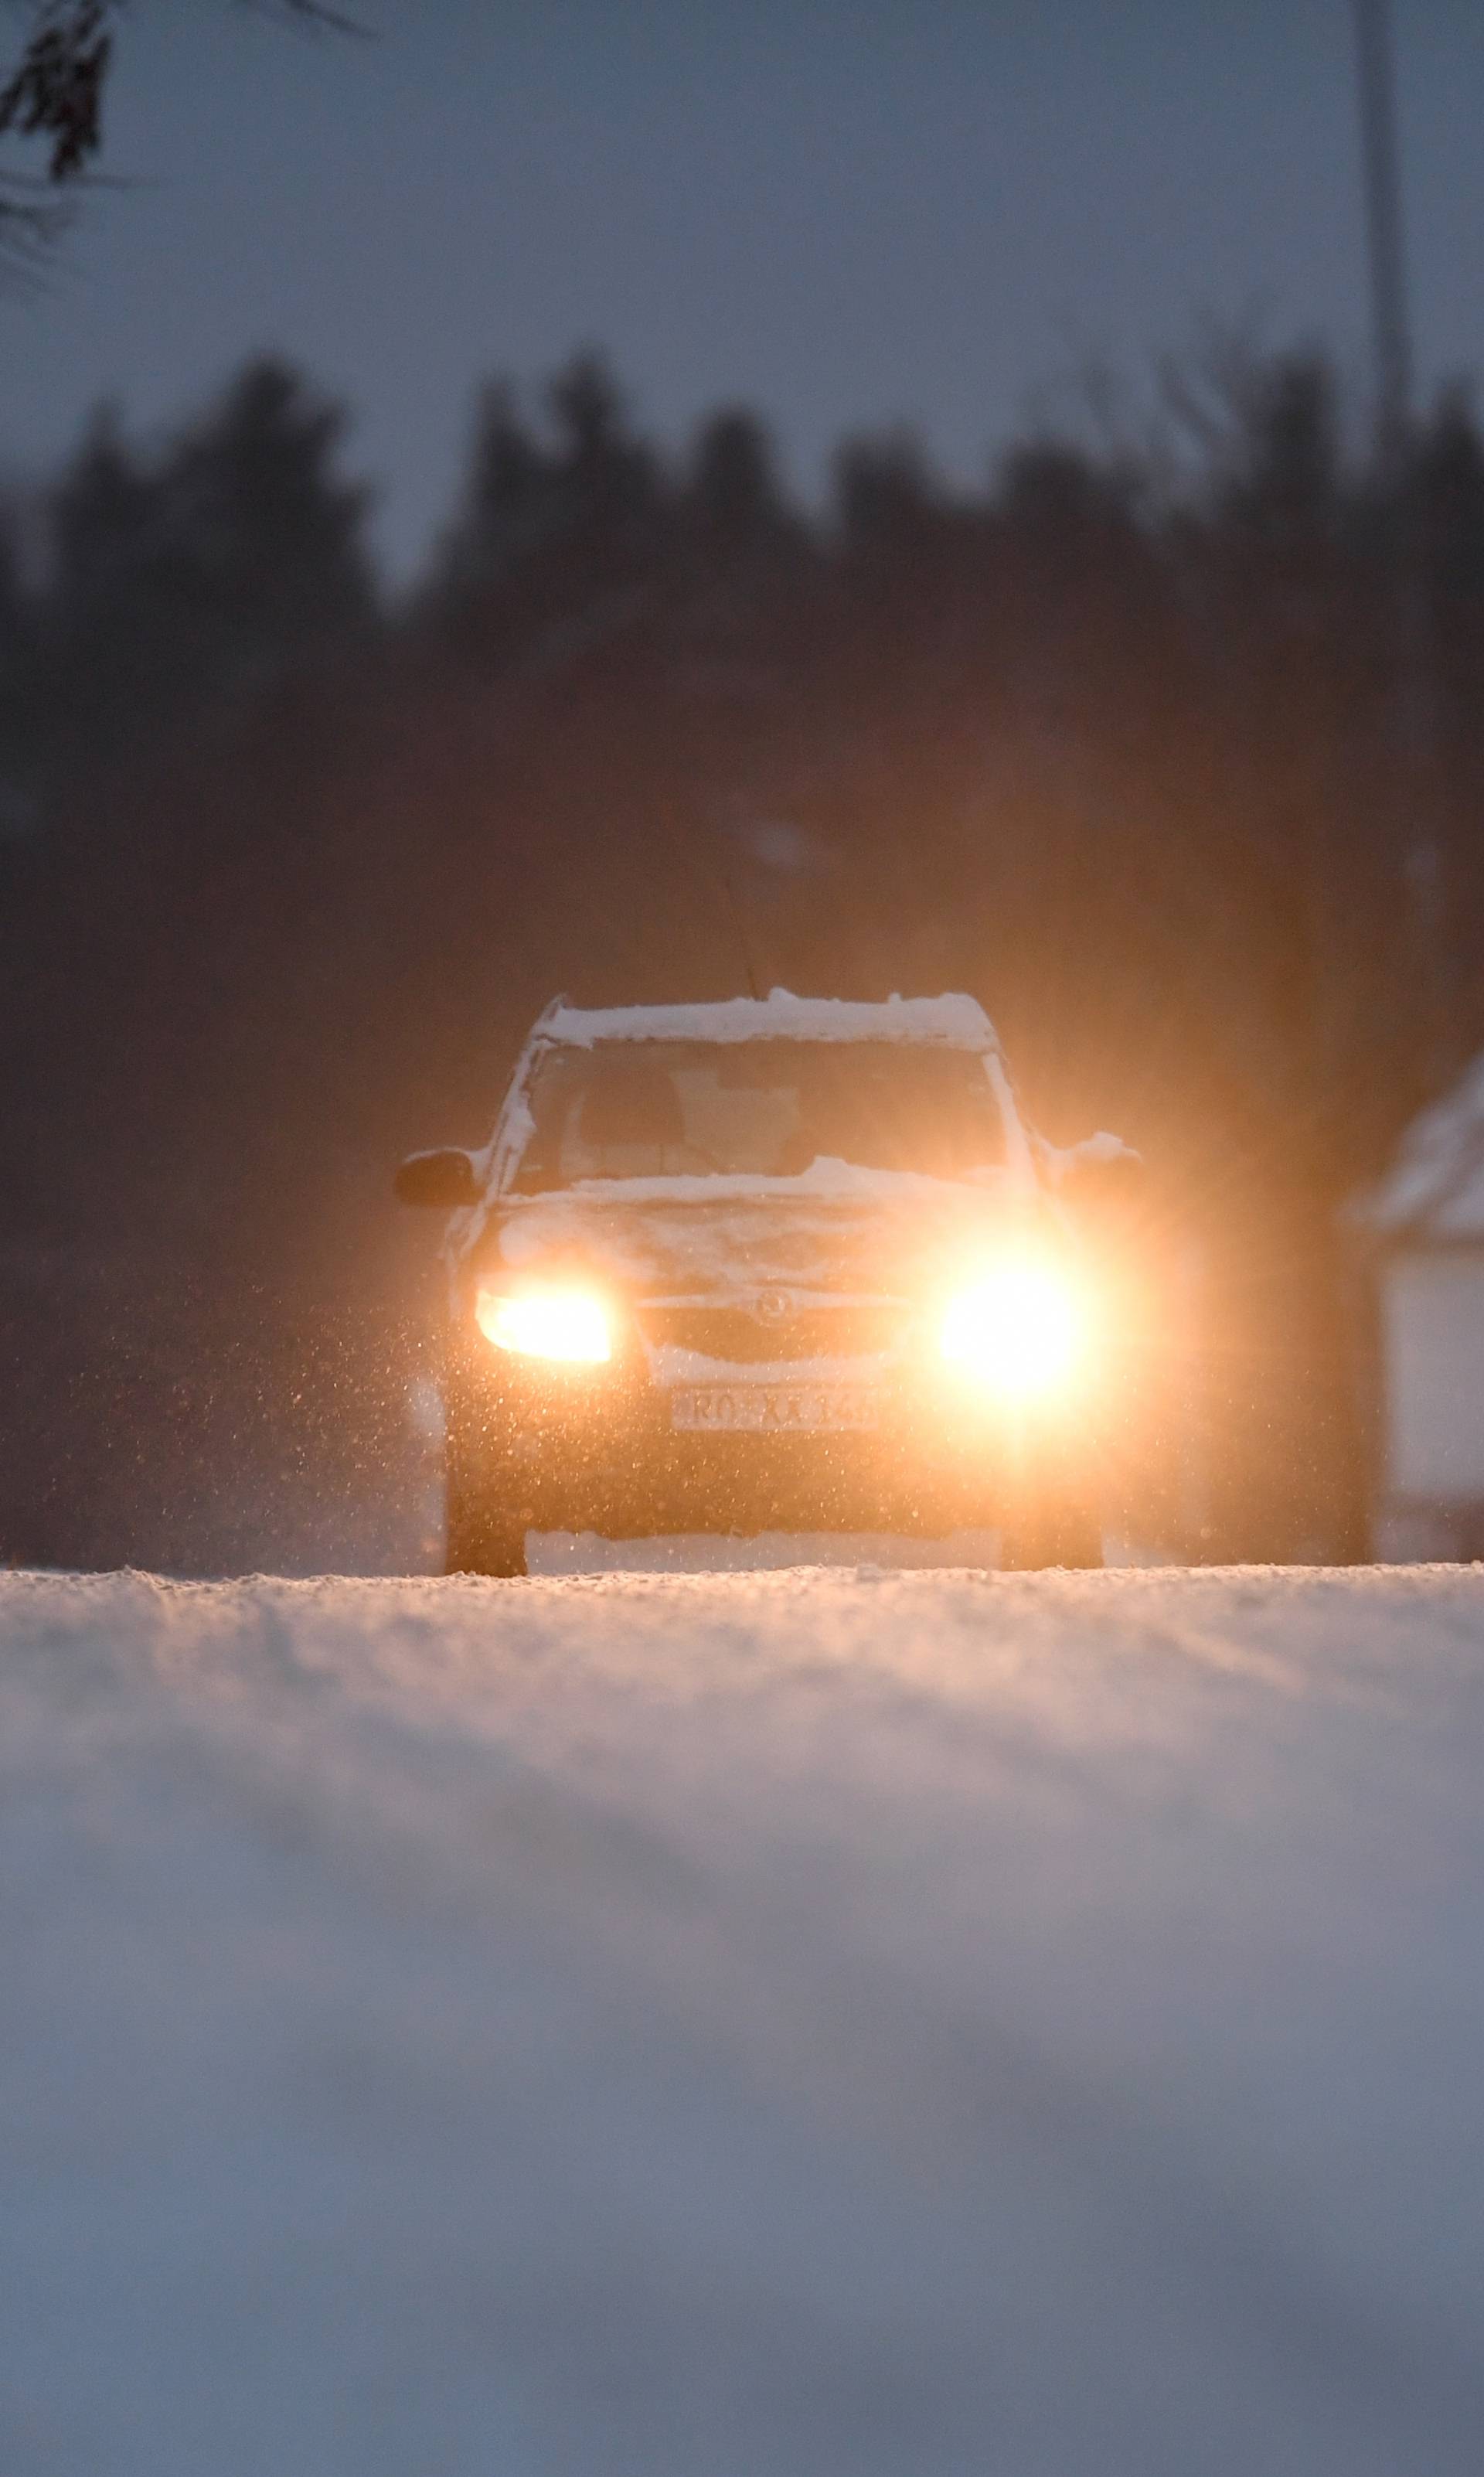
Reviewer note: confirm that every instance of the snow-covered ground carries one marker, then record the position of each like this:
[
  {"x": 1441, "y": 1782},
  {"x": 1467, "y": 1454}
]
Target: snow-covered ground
[{"x": 791, "y": 2024}]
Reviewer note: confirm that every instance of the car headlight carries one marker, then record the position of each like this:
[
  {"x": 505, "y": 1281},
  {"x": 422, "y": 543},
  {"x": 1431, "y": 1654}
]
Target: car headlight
[
  {"x": 1018, "y": 1330},
  {"x": 569, "y": 1324}
]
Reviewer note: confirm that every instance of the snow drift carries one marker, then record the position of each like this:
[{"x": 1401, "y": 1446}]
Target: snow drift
[{"x": 816, "y": 2023}]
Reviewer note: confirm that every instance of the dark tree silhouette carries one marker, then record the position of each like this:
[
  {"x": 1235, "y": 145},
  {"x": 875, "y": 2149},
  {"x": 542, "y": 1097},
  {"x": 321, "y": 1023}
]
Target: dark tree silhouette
[
  {"x": 214, "y": 566},
  {"x": 559, "y": 529}
]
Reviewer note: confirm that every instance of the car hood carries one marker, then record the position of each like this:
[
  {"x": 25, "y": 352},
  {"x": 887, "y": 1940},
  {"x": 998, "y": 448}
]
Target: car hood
[{"x": 835, "y": 1228}]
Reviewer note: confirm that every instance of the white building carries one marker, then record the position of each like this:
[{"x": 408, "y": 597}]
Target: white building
[{"x": 1424, "y": 1228}]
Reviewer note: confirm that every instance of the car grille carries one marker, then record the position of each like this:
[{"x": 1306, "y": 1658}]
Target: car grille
[{"x": 740, "y": 1335}]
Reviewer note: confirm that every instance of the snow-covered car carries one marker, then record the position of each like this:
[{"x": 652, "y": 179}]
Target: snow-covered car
[{"x": 782, "y": 1263}]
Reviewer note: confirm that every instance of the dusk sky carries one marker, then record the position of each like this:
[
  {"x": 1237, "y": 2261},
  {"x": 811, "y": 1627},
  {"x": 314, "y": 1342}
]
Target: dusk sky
[{"x": 849, "y": 213}]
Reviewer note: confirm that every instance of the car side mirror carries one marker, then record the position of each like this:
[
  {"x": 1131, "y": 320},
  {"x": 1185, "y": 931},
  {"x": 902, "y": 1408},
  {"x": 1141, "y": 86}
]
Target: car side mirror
[
  {"x": 1101, "y": 1182},
  {"x": 445, "y": 1181},
  {"x": 1108, "y": 1181}
]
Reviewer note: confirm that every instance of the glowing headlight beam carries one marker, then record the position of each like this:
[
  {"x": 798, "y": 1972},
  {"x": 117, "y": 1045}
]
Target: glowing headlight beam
[
  {"x": 1018, "y": 1330},
  {"x": 571, "y": 1325}
]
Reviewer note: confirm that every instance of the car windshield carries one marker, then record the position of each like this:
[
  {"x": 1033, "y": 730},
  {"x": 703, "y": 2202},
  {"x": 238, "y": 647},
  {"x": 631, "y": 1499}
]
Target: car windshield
[{"x": 763, "y": 1109}]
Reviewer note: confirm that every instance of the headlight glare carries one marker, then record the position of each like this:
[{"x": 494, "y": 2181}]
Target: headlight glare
[
  {"x": 566, "y": 1324},
  {"x": 1018, "y": 1329}
]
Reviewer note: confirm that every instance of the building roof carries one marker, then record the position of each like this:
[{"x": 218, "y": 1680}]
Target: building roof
[
  {"x": 1435, "y": 1186},
  {"x": 952, "y": 1021}
]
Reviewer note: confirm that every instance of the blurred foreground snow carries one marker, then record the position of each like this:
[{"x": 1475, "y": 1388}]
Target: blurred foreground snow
[{"x": 694, "y": 2026}]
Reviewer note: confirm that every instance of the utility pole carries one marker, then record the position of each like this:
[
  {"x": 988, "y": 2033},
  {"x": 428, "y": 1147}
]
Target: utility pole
[
  {"x": 1415, "y": 684},
  {"x": 1381, "y": 171}
]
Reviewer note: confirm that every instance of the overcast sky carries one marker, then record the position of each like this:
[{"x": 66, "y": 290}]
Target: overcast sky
[{"x": 846, "y": 212}]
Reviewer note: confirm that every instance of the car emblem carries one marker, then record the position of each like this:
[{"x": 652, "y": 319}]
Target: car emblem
[{"x": 772, "y": 1307}]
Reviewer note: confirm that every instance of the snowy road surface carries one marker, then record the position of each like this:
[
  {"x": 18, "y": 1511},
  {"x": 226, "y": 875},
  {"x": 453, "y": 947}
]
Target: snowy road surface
[{"x": 790, "y": 2025}]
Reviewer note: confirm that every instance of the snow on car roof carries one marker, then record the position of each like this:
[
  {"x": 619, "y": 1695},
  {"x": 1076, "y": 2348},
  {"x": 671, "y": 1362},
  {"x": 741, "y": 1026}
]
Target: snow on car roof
[{"x": 952, "y": 1021}]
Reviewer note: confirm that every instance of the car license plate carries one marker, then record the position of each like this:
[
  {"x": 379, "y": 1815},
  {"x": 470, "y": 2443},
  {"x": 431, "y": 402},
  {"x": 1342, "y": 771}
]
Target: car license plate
[{"x": 749, "y": 1409}]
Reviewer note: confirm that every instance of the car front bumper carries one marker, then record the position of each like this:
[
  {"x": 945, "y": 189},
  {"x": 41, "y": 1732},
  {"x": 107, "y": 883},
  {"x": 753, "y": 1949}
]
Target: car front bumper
[{"x": 599, "y": 1449}]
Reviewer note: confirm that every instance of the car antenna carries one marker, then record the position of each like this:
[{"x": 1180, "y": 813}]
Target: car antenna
[{"x": 739, "y": 921}]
